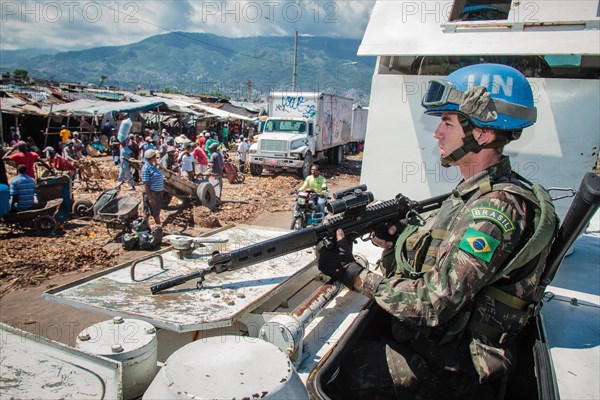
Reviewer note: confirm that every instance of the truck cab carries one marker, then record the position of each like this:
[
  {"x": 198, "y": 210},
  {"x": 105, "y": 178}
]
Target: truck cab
[{"x": 285, "y": 143}]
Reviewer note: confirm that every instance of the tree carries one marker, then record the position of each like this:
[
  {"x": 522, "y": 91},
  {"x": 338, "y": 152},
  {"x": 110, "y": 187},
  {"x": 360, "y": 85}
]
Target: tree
[
  {"x": 102, "y": 79},
  {"x": 170, "y": 90},
  {"x": 218, "y": 95},
  {"x": 20, "y": 73}
]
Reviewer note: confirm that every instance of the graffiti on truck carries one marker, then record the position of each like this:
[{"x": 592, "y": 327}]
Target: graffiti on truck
[{"x": 297, "y": 105}]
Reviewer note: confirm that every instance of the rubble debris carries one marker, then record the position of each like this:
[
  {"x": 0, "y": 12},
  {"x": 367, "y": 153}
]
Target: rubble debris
[
  {"x": 92, "y": 173},
  {"x": 31, "y": 261}
]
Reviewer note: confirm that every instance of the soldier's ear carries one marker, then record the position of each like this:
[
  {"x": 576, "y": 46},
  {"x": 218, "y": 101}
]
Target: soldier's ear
[{"x": 484, "y": 136}]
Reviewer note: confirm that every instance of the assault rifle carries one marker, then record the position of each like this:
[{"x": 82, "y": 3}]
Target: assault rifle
[{"x": 353, "y": 215}]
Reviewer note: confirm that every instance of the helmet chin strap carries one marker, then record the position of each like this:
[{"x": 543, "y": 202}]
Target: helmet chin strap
[{"x": 470, "y": 144}]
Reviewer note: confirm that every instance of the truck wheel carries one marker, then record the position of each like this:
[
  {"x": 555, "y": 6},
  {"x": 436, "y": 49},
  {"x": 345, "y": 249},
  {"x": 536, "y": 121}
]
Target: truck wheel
[
  {"x": 83, "y": 208},
  {"x": 206, "y": 195},
  {"x": 256, "y": 169},
  {"x": 165, "y": 199},
  {"x": 305, "y": 170}
]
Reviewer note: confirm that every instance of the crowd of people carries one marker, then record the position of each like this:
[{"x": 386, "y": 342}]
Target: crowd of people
[
  {"x": 187, "y": 157},
  {"x": 161, "y": 151}
]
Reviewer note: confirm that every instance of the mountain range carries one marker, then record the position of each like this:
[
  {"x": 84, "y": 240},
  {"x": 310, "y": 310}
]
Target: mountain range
[{"x": 206, "y": 63}]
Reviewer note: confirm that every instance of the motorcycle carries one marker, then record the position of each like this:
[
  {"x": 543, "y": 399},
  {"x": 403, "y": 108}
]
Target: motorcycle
[{"x": 306, "y": 211}]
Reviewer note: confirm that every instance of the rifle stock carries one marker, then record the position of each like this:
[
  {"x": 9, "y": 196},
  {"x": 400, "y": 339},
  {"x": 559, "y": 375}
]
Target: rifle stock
[{"x": 354, "y": 222}]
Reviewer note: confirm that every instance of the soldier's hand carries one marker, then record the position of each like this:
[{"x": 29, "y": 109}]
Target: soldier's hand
[
  {"x": 338, "y": 261},
  {"x": 382, "y": 242}
]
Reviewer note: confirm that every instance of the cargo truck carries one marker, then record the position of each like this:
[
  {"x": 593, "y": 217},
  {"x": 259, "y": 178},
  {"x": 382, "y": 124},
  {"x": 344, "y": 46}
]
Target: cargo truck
[{"x": 302, "y": 128}]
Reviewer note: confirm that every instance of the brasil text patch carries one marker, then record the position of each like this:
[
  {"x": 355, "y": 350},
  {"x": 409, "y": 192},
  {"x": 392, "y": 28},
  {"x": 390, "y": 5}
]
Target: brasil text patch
[
  {"x": 478, "y": 244},
  {"x": 494, "y": 215}
]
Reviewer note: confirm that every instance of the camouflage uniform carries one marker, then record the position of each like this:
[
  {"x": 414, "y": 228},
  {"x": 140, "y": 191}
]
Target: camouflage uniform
[{"x": 456, "y": 305}]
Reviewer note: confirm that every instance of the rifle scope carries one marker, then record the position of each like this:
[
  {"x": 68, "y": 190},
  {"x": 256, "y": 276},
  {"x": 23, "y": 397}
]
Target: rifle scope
[
  {"x": 349, "y": 202},
  {"x": 353, "y": 190}
]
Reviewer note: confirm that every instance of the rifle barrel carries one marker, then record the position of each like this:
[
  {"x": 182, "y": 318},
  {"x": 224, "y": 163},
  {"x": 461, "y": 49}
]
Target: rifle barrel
[{"x": 178, "y": 280}]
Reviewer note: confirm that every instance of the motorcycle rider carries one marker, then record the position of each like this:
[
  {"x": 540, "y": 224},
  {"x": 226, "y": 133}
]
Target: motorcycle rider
[{"x": 316, "y": 182}]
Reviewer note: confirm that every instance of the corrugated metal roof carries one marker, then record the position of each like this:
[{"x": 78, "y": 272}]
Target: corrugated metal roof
[
  {"x": 87, "y": 103},
  {"x": 18, "y": 105}
]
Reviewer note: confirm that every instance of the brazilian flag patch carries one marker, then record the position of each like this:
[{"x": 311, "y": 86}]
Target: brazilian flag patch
[{"x": 479, "y": 244}]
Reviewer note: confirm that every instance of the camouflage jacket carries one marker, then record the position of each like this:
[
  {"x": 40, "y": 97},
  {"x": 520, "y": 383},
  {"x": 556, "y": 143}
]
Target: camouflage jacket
[{"x": 438, "y": 278}]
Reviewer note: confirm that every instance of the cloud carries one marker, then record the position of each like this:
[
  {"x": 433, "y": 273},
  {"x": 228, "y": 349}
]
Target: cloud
[
  {"x": 266, "y": 18},
  {"x": 71, "y": 24}
]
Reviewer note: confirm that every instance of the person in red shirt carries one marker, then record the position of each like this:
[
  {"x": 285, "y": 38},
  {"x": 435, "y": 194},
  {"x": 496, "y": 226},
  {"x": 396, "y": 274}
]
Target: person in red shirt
[
  {"x": 25, "y": 157},
  {"x": 201, "y": 158},
  {"x": 202, "y": 138},
  {"x": 58, "y": 162}
]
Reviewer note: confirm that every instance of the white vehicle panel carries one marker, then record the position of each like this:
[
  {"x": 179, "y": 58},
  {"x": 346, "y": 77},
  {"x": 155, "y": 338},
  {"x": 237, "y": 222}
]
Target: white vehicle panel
[{"x": 536, "y": 27}]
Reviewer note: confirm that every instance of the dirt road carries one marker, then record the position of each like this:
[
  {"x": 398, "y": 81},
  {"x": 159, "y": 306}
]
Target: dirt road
[{"x": 31, "y": 265}]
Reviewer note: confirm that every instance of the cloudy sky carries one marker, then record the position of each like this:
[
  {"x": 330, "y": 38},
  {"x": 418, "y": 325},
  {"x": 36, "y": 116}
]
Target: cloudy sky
[{"x": 78, "y": 24}]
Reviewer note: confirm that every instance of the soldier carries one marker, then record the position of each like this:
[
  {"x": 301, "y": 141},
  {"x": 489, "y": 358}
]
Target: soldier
[{"x": 459, "y": 289}]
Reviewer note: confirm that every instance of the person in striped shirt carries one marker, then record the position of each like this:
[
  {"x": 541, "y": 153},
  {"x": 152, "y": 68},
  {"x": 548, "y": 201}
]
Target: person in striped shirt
[
  {"x": 153, "y": 181},
  {"x": 22, "y": 190}
]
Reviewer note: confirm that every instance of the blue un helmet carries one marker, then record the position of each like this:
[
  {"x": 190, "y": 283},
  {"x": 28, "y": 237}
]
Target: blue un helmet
[
  {"x": 486, "y": 96},
  {"x": 490, "y": 96}
]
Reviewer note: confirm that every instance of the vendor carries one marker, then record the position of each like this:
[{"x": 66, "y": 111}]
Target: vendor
[
  {"x": 24, "y": 157},
  {"x": 58, "y": 162}
]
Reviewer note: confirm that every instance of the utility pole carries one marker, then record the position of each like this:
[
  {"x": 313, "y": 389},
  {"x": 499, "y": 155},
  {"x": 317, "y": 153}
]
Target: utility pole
[
  {"x": 48, "y": 126},
  {"x": 295, "y": 61}
]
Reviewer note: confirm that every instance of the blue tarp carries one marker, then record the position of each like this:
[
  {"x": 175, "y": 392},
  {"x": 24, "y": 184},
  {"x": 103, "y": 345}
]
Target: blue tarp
[
  {"x": 121, "y": 106},
  {"x": 87, "y": 107}
]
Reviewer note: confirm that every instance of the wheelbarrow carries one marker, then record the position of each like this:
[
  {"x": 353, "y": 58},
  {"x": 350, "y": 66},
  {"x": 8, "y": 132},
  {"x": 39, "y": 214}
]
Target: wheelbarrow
[
  {"x": 205, "y": 191},
  {"x": 42, "y": 220},
  {"x": 118, "y": 214}
]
